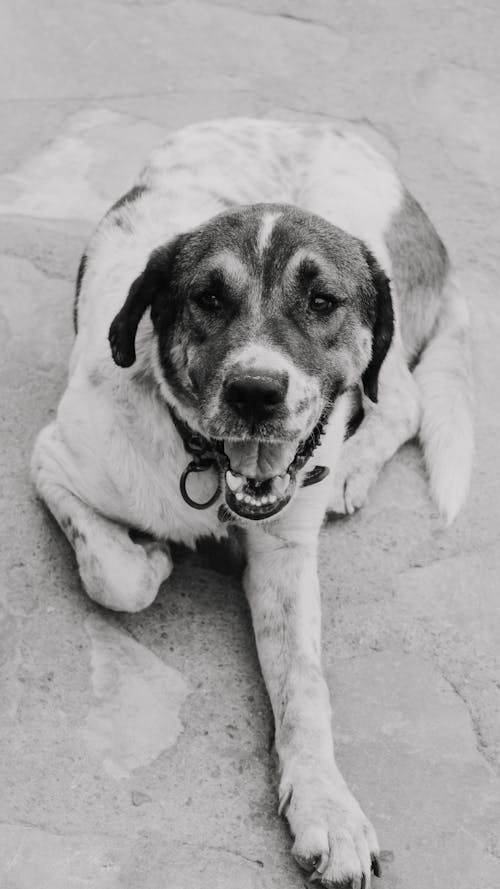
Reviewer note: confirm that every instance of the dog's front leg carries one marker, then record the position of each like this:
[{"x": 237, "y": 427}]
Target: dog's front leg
[
  {"x": 333, "y": 838},
  {"x": 115, "y": 571}
]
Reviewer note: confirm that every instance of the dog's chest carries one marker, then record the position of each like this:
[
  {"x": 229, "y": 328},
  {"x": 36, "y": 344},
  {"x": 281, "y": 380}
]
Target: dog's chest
[
  {"x": 152, "y": 493},
  {"x": 125, "y": 456}
]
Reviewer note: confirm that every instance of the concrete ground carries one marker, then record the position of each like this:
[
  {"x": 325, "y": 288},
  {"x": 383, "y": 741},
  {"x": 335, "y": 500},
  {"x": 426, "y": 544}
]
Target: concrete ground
[{"x": 135, "y": 748}]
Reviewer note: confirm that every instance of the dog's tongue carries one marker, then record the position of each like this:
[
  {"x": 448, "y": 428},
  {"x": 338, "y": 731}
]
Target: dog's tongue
[{"x": 259, "y": 460}]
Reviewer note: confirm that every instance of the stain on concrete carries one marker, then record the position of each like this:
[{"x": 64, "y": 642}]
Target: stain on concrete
[
  {"x": 137, "y": 701},
  {"x": 80, "y": 171}
]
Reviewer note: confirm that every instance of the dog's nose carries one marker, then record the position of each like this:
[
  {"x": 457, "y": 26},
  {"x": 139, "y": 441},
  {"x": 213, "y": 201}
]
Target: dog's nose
[{"x": 256, "y": 396}]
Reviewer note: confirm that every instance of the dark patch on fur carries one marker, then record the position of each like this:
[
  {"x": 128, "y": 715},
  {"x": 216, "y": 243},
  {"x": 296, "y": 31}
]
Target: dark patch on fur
[
  {"x": 95, "y": 377},
  {"x": 145, "y": 378},
  {"x": 121, "y": 220},
  {"x": 78, "y": 286},
  {"x": 128, "y": 198},
  {"x": 302, "y": 405},
  {"x": 420, "y": 267},
  {"x": 140, "y": 537},
  {"x": 72, "y": 532},
  {"x": 270, "y": 631}
]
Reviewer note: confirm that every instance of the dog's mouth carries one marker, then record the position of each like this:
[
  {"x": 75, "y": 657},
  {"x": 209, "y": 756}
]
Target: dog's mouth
[
  {"x": 260, "y": 480},
  {"x": 259, "y": 477}
]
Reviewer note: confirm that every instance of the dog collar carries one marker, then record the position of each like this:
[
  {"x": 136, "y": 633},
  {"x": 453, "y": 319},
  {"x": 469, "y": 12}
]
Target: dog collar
[{"x": 209, "y": 454}]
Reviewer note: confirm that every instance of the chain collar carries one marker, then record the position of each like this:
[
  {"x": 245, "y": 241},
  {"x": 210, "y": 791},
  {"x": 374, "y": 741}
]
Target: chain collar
[{"x": 209, "y": 454}]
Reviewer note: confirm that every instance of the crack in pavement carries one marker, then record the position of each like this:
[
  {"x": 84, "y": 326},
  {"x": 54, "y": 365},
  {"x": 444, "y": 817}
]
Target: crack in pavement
[
  {"x": 481, "y": 743},
  {"x": 274, "y": 15},
  {"x": 301, "y": 19},
  {"x": 97, "y": 97},
  {"x": 56, "y": 831},
  {"x": 40, "y": 264},
  {"x": 234, "y": 852},
  {"x": 488, "y": 849}
]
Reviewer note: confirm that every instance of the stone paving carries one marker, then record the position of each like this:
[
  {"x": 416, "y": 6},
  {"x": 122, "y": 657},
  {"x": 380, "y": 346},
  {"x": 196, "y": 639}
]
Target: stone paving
[{"x": 135, "y": 748}]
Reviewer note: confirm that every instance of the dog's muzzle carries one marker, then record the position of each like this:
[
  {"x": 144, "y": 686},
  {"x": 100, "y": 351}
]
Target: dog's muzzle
[{"x": 252, "y": 498}]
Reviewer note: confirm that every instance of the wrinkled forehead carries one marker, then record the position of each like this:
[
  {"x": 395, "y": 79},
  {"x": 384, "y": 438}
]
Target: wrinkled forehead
[{"x": 275, "y": 244}]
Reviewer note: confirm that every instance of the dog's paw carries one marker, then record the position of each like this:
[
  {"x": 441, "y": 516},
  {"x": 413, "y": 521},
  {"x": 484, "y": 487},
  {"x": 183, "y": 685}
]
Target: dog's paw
[
  {"x": 123, "y": 575},
  {"x": 350, "y": 491},
  {"x": 333, "y": 839},
  {"x": 352, "y": 479}
]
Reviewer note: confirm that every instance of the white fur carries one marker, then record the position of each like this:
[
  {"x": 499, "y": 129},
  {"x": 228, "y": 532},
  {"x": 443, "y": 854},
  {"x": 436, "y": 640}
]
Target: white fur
[{"x": 268, "y": 222}]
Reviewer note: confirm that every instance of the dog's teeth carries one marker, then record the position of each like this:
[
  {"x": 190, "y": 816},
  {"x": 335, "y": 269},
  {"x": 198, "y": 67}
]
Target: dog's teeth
[
  {"x": 240, "y": 496},
  {"x": 234, "y": 482},
  {"x": 280, "y": 483},
  {"x": 247, "y": 499},
  {"x": 272, "y": 498}
]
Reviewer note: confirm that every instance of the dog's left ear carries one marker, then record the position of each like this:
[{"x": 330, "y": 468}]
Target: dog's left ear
[
  {"x": 153, "y": 282},
  {"x": 383, "y": 328}
]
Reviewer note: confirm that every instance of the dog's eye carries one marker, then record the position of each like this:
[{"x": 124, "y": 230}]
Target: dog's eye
[
  {"x": 322, "y": 304},
  {"x": 207, "y": 301}
]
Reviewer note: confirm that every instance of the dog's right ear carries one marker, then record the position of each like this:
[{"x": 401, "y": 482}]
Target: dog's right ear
[
  {"x": 153, "y": 281},
  {"x": 383, "y": 327}
]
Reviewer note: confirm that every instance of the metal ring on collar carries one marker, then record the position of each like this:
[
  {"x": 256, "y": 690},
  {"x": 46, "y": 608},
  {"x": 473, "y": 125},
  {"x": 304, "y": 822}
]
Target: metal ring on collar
[{"x": 198, "y": 466}]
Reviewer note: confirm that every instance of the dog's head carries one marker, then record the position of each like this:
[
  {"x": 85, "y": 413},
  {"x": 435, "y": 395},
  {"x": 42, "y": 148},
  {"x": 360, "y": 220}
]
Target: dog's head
[{"x": 263, "y": 316}]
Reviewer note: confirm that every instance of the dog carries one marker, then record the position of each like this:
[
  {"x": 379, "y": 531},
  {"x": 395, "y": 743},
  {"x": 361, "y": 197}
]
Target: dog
[{"x": 264, "y": 289}]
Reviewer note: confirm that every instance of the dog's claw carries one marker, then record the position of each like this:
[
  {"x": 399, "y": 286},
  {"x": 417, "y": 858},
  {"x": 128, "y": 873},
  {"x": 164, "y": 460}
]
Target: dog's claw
[
  {"x": 376, "y": 868},
  {"x": 284, "y": 801},
  {"x": 321, "y": 867},
  {"x": 319, "y": 863}
]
